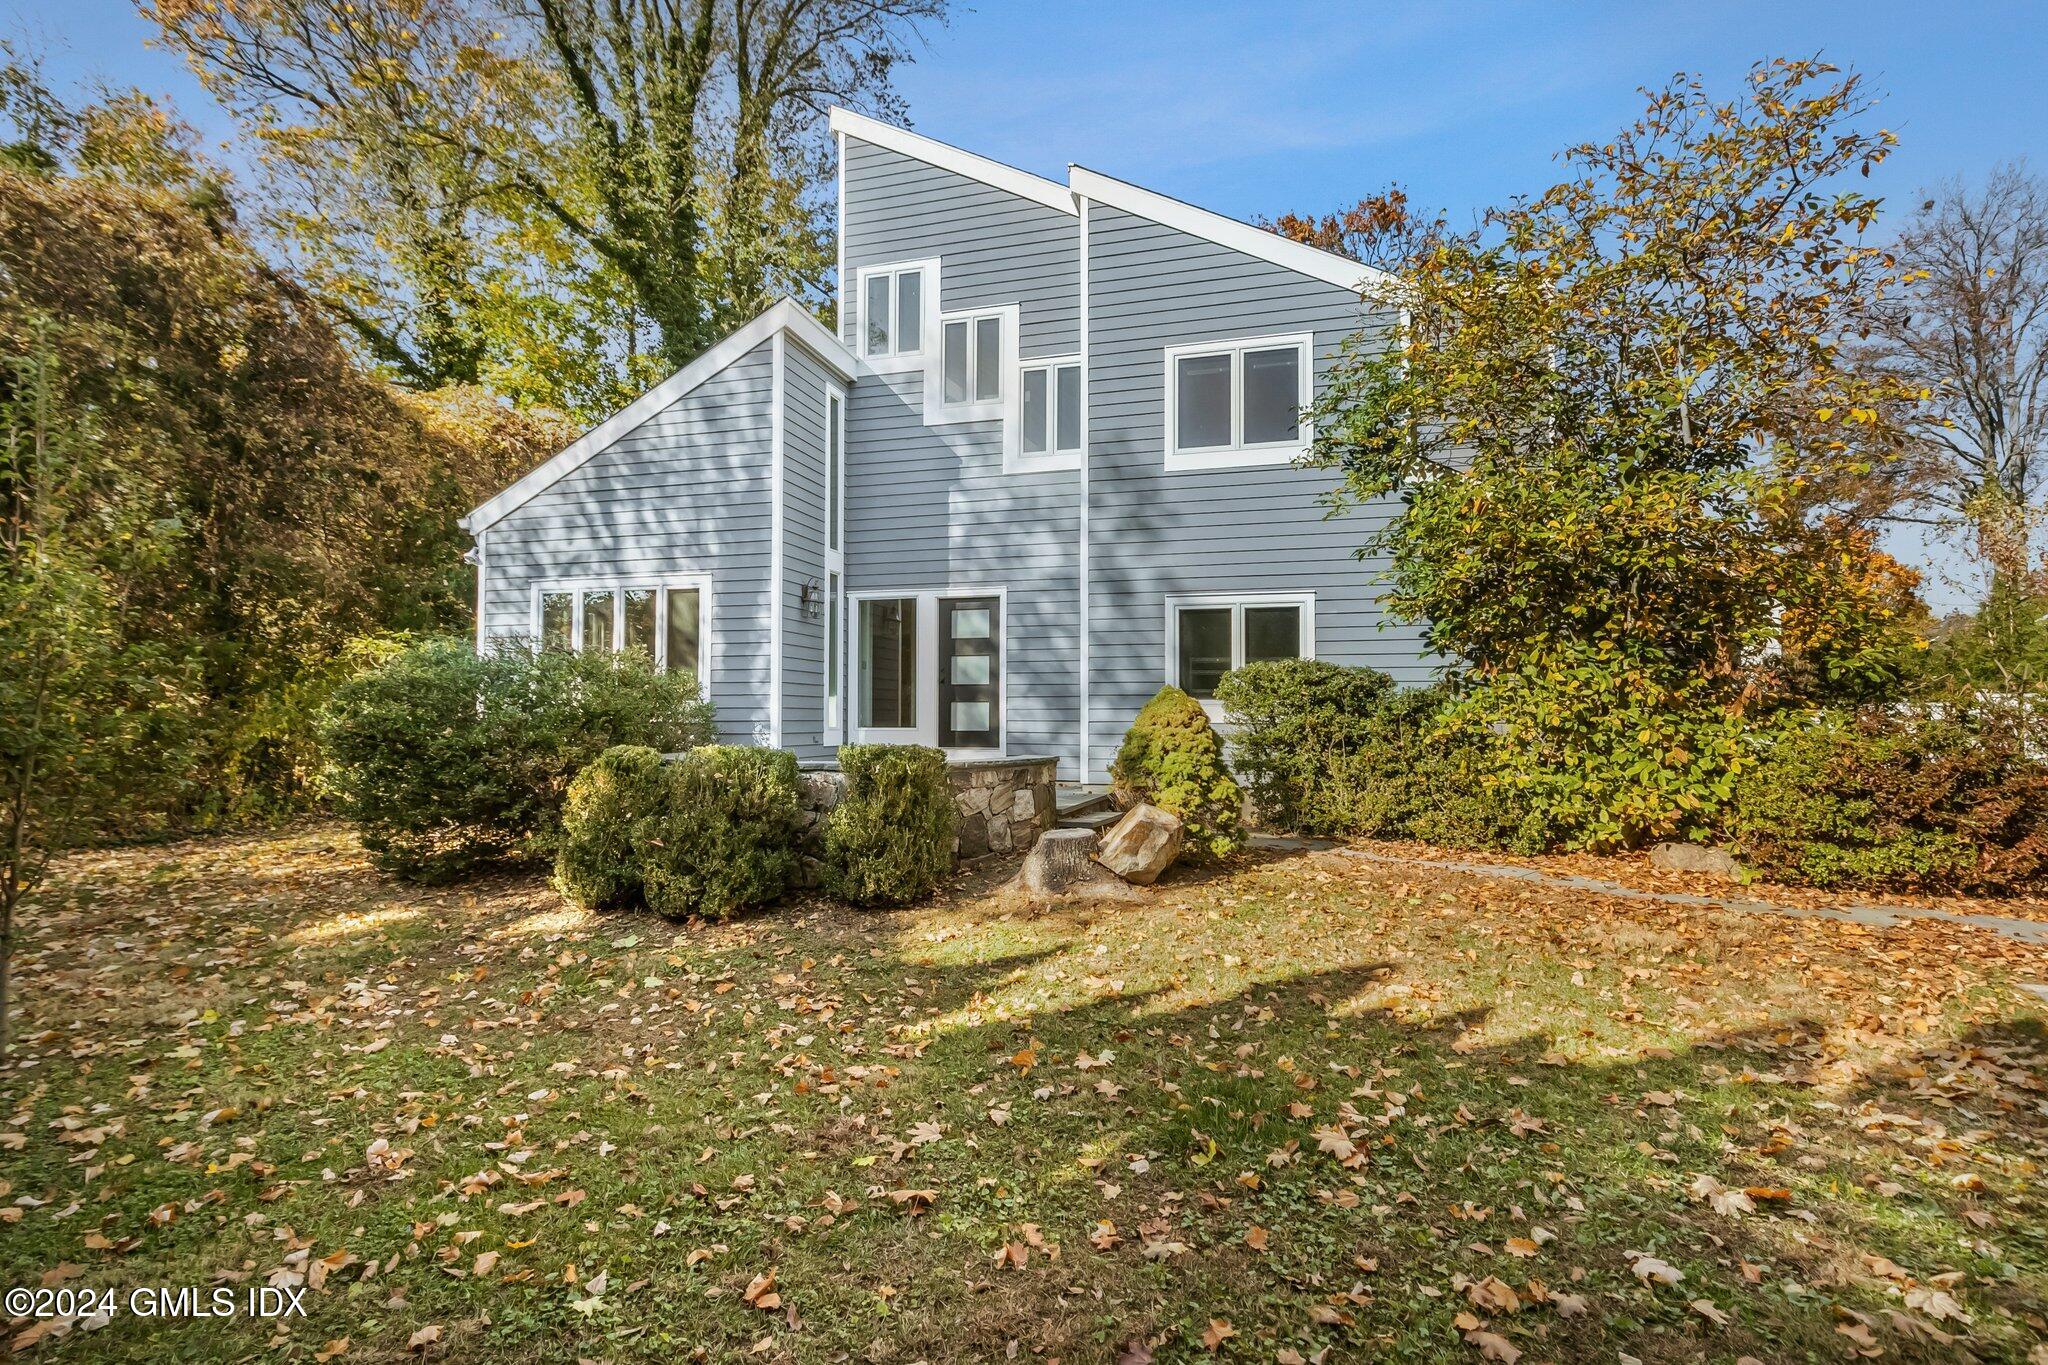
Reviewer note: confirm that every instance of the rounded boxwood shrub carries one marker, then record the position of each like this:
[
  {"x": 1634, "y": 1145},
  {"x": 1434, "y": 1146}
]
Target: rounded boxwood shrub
[
  {"x": 596, "y": 866},
  {"x": 1875, "y": 800},
  {"x": 725, "y": 834},
  {"x": 1172, "y": 757},
  {"x": 889, "y": 841},
  {"x": 446, "y": 760}
]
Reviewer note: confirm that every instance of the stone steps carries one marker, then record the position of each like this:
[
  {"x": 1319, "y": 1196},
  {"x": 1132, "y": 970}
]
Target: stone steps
[{"x": 1095, "y": 820}]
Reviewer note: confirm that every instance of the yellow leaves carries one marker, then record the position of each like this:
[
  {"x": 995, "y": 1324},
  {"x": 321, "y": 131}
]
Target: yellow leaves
[
  {"x": 760, "y": 1292},
  {"x": 1257, "y": 1238},
  {"x": 1024, "y": 1059}
]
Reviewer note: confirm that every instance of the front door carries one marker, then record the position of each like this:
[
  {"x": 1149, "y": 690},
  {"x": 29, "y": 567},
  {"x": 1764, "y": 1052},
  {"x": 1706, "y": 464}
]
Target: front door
[{"x": 970, "y": 672}]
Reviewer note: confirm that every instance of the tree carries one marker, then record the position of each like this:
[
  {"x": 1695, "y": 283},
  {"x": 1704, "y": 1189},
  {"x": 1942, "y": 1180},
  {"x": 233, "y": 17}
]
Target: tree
[
  {"x": 71, "y": 687},
  {"x": 624, "y": 163},
  {"x": 301, "y": 501},
  {"x": 1610, "y": 418},
  {"x": 1379, "y": 230},
  {"x": 1972, "y": 334}
]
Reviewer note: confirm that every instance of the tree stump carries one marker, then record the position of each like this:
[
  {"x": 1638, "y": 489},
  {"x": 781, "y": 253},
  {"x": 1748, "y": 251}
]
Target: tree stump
[{"x": 1061, "y": 866}]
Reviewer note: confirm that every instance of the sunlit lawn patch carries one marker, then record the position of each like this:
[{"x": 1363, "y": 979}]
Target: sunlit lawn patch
[{"x": 1295, "y": 1106}]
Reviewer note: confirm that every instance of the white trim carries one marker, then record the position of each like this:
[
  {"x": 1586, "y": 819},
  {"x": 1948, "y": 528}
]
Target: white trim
[
  {"x": 1039, "y": 190},
  {"x": 785, "y": 315},
  {"x": 1238, "y": 455},
  {"x": 619, "y": 585},
  {"x": 926, "y": 731},
  {"x": 839, "y": 275},
  {"x": 833, "y": 726},
  {"x": 1083, "y": 565},
  {"x": 1016, "y": 460},
  {"x": 1305, "y": 599},
  {"x": 777, "y": 589},
  {"x": 1314, "y": 262},
  {"x": 482, "y": 588}
]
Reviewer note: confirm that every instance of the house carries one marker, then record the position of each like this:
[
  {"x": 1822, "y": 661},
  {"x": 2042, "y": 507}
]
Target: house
[{"x": 1042, "y": 468}]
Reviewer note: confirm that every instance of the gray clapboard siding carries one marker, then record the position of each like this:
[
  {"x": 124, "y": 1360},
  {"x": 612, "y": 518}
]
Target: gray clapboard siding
[
  {"x": 930, "y": 508},
  {"x": 803, "y": 555},
  {"x": 1155, "y": 532},
  {"x": 687, "y": 491}
]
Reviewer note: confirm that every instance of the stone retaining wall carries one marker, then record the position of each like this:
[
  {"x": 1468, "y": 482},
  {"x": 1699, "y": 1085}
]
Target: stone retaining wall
[{"x": 1003, "y": 805}]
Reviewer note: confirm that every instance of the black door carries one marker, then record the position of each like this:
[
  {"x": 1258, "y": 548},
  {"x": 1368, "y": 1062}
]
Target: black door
[{"x": 970, "y": 672}]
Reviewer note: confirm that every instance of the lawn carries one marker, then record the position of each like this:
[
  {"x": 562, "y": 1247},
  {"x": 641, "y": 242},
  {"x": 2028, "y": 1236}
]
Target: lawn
[{"x": 1299, "y": 1108}]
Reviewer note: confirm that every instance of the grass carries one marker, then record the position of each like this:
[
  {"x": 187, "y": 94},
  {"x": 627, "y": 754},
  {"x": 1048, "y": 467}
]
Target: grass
[{"x": 1300, "y": 1108}]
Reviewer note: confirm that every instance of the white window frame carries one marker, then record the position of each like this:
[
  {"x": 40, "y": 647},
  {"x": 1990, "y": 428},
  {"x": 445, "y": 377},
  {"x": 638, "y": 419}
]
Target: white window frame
[
  {"x": 926, "y": 731},
  {"x": 834, "y": 547},
  {"x": 619, "y": 585},
  {"x": 928, "y": 299},
  {"x": 1238, "y": 455},
  {"x": 1021, "y": 461},
  {"x": 1176, "y": 603},
  {"x": 1000, "y": 408}
]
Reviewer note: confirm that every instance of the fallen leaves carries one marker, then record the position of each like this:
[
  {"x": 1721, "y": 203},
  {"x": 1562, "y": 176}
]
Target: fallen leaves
[{"x": 760, "y": 1291}]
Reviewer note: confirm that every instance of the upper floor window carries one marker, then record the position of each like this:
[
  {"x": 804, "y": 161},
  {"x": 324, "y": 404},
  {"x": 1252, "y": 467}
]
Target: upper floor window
[
  {"x": 972, "y": 362},
  {"x": 1049, "y": 409},
  {"x": 892, "y": 310},
  {"x": 1236, "y": 403}
]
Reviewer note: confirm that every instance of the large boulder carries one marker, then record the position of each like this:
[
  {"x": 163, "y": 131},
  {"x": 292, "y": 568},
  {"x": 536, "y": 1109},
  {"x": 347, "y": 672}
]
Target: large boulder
[{"x": 1141, "y": 845}]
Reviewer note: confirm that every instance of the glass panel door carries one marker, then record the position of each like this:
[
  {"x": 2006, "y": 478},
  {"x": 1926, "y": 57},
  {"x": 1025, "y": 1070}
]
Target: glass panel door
[{"x": 970, "y": 672}]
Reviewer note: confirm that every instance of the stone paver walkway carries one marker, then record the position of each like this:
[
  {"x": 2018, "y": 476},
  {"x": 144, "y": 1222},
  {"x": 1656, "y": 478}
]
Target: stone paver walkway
[{"x": 2028, "y": 931}]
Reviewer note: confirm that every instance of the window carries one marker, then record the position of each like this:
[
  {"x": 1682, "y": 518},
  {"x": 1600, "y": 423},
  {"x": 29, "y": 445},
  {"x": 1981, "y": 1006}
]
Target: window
[
  {"x": 1208, "y": 636},
  {"x": 1049, "y": 409},
  {"x": 1236, "y": 404},
  {"x": 660, "y": 620},
  {"x": 892, "y": 310},
  {"x": 971, "y": 370},
  {"x": 888, "y": 663},
  {"x": 835, "y": 556}
]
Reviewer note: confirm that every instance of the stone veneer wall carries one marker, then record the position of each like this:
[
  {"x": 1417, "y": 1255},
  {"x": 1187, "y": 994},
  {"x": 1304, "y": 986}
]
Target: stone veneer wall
[{"x": 1003, "y": 805}]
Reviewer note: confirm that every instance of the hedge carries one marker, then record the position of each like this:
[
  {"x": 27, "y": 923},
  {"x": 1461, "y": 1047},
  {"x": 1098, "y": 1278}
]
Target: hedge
[
  {"x": 889, "y": 841},
  {"x": 1172, "y": 758}
]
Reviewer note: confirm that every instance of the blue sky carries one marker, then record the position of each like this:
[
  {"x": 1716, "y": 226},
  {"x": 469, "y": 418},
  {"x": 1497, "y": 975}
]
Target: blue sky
[{"x": 1258, "y": 108}]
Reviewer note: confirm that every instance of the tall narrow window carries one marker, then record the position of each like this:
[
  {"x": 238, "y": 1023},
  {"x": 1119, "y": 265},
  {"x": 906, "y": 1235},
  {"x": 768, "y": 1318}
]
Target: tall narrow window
[
  {"x": 639, "y": 614},
  {"x": 684, "y": 631},
  {"x": 1204, "y": 649},
  {"x": 557, "y": 620},
  {"x": 1067, "y": 409},
  {"x": 988, "y": 359},
  {"x": 834, "y": 432},
  {"x": 956, "y": 362},
  {"x": 832, "y": 653},
  {"x": 1204, "y": 408},
  {"x": 892, "y": 311},
  {"x": 1036, "y": 412},
  {"x": 888, "y": 663},
  {"x": 597, "y": 621}
]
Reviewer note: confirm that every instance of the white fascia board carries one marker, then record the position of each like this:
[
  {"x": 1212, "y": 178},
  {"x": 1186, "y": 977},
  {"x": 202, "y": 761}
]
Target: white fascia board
[
  {"x": 785, "y": 315},
  {"x": 1314, "y": 262},
  {"x": 1036, "y": 188}
]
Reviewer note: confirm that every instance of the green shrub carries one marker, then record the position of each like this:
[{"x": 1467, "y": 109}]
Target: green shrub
[
  {"x": 1294, "y": 721},
  {"x": 1329, "y": 750},
  {"x": 596, "y": 865},
  {"x": 1877, "y": 801},
  {"x": 447, "y": 760},
  {"x": 725, "y": 835},
  {"x": 1173, "y": 758},
  {"x": 889, "y": 841}
]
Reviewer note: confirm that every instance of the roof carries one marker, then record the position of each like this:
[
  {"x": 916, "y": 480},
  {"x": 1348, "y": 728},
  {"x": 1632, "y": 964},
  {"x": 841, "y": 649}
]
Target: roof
[
  {"x": 785, "y": 315},
  {"x": 1084, "y": 184}
]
